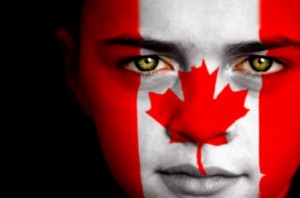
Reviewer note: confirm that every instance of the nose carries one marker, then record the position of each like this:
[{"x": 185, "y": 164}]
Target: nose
[
  {"x": 199, "y": 118},
  {"x": 188, "y": 125}
]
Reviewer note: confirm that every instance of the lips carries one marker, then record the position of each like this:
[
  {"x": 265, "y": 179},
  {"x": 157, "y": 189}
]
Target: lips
[{"x": 186, "y": 179}]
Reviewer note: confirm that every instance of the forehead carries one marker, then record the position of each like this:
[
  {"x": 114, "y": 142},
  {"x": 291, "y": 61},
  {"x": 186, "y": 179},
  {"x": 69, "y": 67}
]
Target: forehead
[
  {"x": 175, "y": 20},
  {"x": 210, "y": 20}
]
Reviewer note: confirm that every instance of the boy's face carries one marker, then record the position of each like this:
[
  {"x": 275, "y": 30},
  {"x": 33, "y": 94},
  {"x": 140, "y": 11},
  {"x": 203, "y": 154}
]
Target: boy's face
[{"x": 155, "y": 76}]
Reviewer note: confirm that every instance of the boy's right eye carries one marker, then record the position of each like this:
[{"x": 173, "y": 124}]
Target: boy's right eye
[{"x": 149, "y": 64}]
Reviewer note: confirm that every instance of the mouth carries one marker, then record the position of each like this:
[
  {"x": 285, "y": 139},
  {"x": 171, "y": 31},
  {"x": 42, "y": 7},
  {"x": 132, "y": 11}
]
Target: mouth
[{"x": 186, "y": 179}]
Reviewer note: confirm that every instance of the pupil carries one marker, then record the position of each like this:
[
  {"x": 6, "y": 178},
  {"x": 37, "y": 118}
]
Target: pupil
[
  {"x": 261, "y": 61},
  {"x": 148, "y": 60}
]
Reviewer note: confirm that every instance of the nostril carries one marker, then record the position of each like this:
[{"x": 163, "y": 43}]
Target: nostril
[
  {"x": 230, "y": 136},
  {"x": 180, "y": 137},
  {"x": 218, "y": 139}
]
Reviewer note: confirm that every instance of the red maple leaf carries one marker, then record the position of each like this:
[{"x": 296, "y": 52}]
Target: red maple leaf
[{"x": 199, "y": 118}]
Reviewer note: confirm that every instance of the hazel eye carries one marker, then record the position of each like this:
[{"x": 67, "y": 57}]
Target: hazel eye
[
  {"x": 259, "y": 65},
  {"x": 149, "y": 64},
  {"x": 146, "y": 63}
]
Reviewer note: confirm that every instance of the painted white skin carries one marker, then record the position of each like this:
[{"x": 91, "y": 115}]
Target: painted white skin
[{"x": 201, "y": 29}]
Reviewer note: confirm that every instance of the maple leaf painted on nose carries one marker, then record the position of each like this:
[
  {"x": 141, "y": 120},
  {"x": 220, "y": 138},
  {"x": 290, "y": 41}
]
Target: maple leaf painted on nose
[{"x": 199, "y": 118}]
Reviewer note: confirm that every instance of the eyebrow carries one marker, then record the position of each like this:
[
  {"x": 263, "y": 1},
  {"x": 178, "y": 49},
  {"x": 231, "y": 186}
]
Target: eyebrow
[
  {"x": 244, "y": 48},
  {"x": 164, "y": 47},
  {"x": 255, "y": 46},
  {"x": 143, "y": 43}
]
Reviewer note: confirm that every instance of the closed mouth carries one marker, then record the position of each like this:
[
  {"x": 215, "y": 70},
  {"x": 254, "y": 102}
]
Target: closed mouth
[{"x": 186, "y": 179}]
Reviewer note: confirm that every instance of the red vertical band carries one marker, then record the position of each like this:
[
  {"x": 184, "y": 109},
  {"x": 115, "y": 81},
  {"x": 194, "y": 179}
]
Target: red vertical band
[
  {"x": 112, "y": 89},
  {"x": 279, "y": 101}
]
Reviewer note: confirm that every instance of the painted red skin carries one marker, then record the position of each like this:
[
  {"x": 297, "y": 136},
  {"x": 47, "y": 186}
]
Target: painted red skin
[
  {"x": 112, "y": 90},
  {"x": 279, "y": 98}
]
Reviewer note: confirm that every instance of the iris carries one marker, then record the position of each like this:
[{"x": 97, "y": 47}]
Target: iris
[
  {"x": 147, "y": 63},
  {"x": 260, "y": 64}
]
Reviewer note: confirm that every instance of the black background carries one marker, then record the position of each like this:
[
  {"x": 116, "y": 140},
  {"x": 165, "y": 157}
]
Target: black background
[{"x": 53, "y": 148}]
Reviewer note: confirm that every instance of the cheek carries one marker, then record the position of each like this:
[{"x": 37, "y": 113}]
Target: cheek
[
  {"x": 279, "y": 132},
  {"x": 279, "y": 98},
  {"x": 110, "y": 89},
  {"x": 113, "y": 97}
]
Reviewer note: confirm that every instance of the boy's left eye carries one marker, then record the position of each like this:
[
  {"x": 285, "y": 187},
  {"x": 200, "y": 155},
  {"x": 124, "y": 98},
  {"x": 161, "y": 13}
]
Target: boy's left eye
[
  {"x": 151, "y": 63},
  {"x": 260, "y": 64},
  {"x": 257, "y": 64}
]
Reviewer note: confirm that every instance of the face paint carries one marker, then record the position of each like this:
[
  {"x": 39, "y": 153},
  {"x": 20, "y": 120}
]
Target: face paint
[
  {"x": 199, "y": 118},
  {"x": 120, "y": 40},
  {"x": 279, "y": 97},
  {"x": 111, "y": 89}
]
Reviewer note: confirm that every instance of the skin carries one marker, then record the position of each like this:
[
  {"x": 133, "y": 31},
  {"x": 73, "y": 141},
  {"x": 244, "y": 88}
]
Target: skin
[{"x": 200, "y": 30}]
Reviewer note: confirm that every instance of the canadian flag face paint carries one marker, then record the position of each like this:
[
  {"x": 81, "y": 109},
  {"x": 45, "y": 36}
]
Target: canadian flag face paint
[
  {"x": 193, "y": 98},
  {"x": 198, "y": 138}
]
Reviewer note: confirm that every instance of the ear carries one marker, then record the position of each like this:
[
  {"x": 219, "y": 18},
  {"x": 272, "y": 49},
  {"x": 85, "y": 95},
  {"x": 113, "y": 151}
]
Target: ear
[{"x": 72, "y": 70}]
